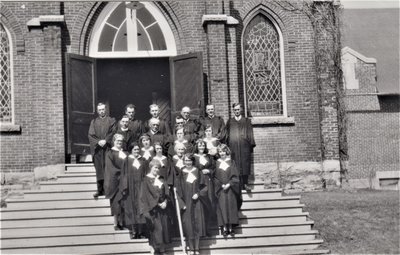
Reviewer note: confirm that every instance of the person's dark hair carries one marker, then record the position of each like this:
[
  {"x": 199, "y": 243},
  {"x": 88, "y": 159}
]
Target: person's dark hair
[
  {"x": 196, "y": 146},
  {"x": 124, "y": 116},
  {"x": 236, "y": 104},
  {"x": 101, "y": 104},
  {"x": 143, "y": 137},
  {"x": 133, "y": 145},
  {"x": 189, "y": 156},
  {"x": 130, "y": 106},
  {"x": 224, "y": 147}
]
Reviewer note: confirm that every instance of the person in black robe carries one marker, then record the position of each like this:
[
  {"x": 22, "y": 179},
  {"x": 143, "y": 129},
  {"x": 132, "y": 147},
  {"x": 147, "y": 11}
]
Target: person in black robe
[
  {"x": 164, "y": 127},
  {"x": 192, "y": 193},
  {"x": 156, "y": 136},
  {"x": 180, "y": 137},
  {"x": 115, "y": 162},
  {"x": 191, "y": 125},
  {"x": 241, "y": 142},
  {"x": 123, "y": 129},
  {"x": 100, "y": 134},
  {"x": 227, "y": 191},
  {"x": 146, "y": 149},
  {"x": 217, "y": 123},
  {"x": 135, "y": 125},
  {"x": 154, "y": 203},
  {"x": 211, "y": 141},
  {"x": 131, "y": 181},
  {"x": 206, "y": 165}
]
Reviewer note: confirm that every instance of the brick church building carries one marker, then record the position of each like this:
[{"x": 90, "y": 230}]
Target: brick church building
[{"x": 59, "y": 59}]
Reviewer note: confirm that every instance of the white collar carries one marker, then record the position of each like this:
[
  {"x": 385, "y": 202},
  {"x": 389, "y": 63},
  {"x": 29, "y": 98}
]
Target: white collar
[
  {"x": 131, "y": 156},
  {"x": 189, "y": 171},
  {"x": 238, "y": 118},
  {"x": 224, "y": 160},
  {"x": 115, "y": 149},
  {"x": 124, "y": 129},
  {"x": 149, "y": 149}
]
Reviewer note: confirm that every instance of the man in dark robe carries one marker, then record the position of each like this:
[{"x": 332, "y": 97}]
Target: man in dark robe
[
  {"x": 100, "y": 134},
  {"x": 241, "y": 142},
  {"x": 216, "y": 122},
  {"x": 136, "y": 126},
  {"x": 123, "y": 129},
  {"x": 191, "y": 126},
  {"x": 156, "y": 136},
  {"x": 164, "y": 127}
]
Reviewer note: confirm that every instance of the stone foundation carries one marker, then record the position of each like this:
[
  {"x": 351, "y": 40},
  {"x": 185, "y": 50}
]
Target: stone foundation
[{"x": 301, "y": 176}]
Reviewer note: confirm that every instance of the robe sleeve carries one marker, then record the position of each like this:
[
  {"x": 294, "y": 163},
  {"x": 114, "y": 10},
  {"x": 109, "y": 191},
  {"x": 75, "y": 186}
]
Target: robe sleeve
[
  {"x": 111, "y": 131},
  {"x": 222, "y": 132},
  {"x": 234, "y": 179},
  {"x": 250, "y": 134},
  {"x": 93, "y": 138},
  {"x": 148, "y": 197}
]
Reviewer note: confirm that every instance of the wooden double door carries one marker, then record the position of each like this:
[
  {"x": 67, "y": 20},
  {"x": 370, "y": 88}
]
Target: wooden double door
[{"x": 169, "y": 82}]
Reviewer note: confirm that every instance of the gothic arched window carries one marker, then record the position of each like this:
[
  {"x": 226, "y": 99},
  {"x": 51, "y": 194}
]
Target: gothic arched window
[
  {"x": 263, "y": 68},
  {"x": 6, "y": 103},
  {"x": 132, "y": 29}
]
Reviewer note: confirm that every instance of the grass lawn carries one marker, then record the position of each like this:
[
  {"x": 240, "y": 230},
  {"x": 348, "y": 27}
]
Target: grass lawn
[{"x": 357, "y": 221}]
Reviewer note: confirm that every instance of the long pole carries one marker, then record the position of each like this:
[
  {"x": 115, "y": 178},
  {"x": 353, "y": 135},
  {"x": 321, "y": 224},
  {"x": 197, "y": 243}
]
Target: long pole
[{"x": 178, "y": 213}]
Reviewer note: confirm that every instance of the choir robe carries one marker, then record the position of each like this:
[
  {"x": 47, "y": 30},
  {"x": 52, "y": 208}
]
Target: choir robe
[
  {"x": 192, "y": 128},
  {"x": 100, "y": 129},
  {"x": 164, "y": 127},
  {"x": 131, "y": 181},
  {"x": 210, "y": 204},
  {"x": 154, "y": 191},
  {"x": 212, "y": 145},
  {"x": 241, "y": 142},
  {"x": 229, "y": 201},
  {"x": 176, "y": 168},
  {"x": 128, "y": 138},
  {"x": 115, "y": 164},
  {"x": 136, "y": 126},
  {"x": 165, "y": 170},
  {"x": 190, "y": 182},
  {"x": 163, "y": 139},
  {"x": 218, "y": 127}
]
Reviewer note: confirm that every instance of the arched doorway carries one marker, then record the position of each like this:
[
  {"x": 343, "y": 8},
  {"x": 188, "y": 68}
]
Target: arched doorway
[{"x": 132, "y": 59}]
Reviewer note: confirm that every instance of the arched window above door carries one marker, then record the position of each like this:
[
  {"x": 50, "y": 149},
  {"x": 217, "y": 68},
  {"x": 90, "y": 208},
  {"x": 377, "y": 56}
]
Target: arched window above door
[
  {"x": 264, "y": 75},
  {"x": 132, "y": 29}
]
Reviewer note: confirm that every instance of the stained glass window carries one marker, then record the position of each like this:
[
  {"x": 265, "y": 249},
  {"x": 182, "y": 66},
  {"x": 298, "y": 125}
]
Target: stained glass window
[
  {"x": 262, "y": 68},
  {"x": 5, "y": 77}
]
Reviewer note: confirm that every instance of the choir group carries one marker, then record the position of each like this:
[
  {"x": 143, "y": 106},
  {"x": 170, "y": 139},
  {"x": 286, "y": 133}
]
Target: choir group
[{"x": 164, "y": 183}]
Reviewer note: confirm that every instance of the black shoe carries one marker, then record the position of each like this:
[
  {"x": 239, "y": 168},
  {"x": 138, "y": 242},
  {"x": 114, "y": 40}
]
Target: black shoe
[
  {"x": 232, "y": 233},
  {"x": 225, "y": 233},
  {"x": 97, "y": 194},
  {"x": 118, "y": 227},
  {"x": 247, "y": 188}
]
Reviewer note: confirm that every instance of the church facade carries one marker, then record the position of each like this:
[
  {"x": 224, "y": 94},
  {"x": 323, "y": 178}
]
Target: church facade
[{"x": 59, "y": 59}]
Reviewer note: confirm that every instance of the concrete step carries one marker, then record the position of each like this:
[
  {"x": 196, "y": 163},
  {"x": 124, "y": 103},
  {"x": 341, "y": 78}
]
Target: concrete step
[
  {"x": 118, "y": 238},
  {"x": 289, "y": 210},
  {"x": 60, "y": 231},
  {"x": 55, "y": 213},
  {"x": 282, "y": 220},
  {"x": 269, "y": 204},
  {"x": 76, "y": 178},
  {"x": 50, "y": 195},
  {"x": 68, "y": 186},
  {"x": 31, "y": 242},
  {"x": 228, "y": 246},
  {"x": 257, "y": 194},
  {"x": 57, "y": 222},
  {"x": 67, "y": 204}
]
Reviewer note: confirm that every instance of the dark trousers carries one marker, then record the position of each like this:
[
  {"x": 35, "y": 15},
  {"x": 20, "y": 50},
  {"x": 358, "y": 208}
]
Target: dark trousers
[
  {"x": 244, "y": 179},
  {"x": 100, "y": 186}
]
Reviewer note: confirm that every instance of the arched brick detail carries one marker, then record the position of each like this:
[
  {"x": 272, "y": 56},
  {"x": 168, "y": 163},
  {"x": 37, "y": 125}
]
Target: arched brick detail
[
  {"x": 10, "y": 21},
  {"x": 87, "y": 17}
]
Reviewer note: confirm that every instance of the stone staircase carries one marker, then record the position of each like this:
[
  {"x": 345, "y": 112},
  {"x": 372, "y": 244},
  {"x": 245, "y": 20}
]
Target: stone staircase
[{"x": 63, "y": 218}]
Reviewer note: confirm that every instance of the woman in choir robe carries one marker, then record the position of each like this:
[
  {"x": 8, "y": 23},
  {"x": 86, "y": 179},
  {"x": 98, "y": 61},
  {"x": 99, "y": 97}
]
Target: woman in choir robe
[
  {"x": 177, "y": 163},
  {"x": 131, "y": 181},
  {"x": 192, "y": 193},
  {"x": 211, "y": 142},
  {"x": 146, "y": 150},
  {"x": 206, "y": 165},
  {"x": 180, "y": 138},
  {"x": 114, "y": 164},
  {"x": 154, "y": 202},
  {"x": 165, "y": 169},
  {"x": 227, "y": 190}
]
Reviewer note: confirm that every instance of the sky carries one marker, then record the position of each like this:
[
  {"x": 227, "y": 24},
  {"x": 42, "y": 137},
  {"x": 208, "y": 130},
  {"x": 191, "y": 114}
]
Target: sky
[{"x": 372, "y": 29}]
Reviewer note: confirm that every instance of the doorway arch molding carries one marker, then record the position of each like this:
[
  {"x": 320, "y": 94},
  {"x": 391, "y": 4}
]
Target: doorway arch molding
[{"x": 83, "y": 27}]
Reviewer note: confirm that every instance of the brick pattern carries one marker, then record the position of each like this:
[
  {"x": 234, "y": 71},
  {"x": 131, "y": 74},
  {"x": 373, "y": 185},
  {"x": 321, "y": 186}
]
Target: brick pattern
[{"x": 39, "y": 95}]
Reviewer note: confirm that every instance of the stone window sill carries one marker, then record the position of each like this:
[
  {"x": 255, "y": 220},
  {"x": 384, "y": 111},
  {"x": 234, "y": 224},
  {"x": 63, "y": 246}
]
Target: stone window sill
[
  {"x": 10, "y": 129},
  {"x": 272, "y": 121}
]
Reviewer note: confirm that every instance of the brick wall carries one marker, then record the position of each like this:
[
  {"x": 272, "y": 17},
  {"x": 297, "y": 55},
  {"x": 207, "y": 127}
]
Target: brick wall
[{"x": 39, "y": 92}]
